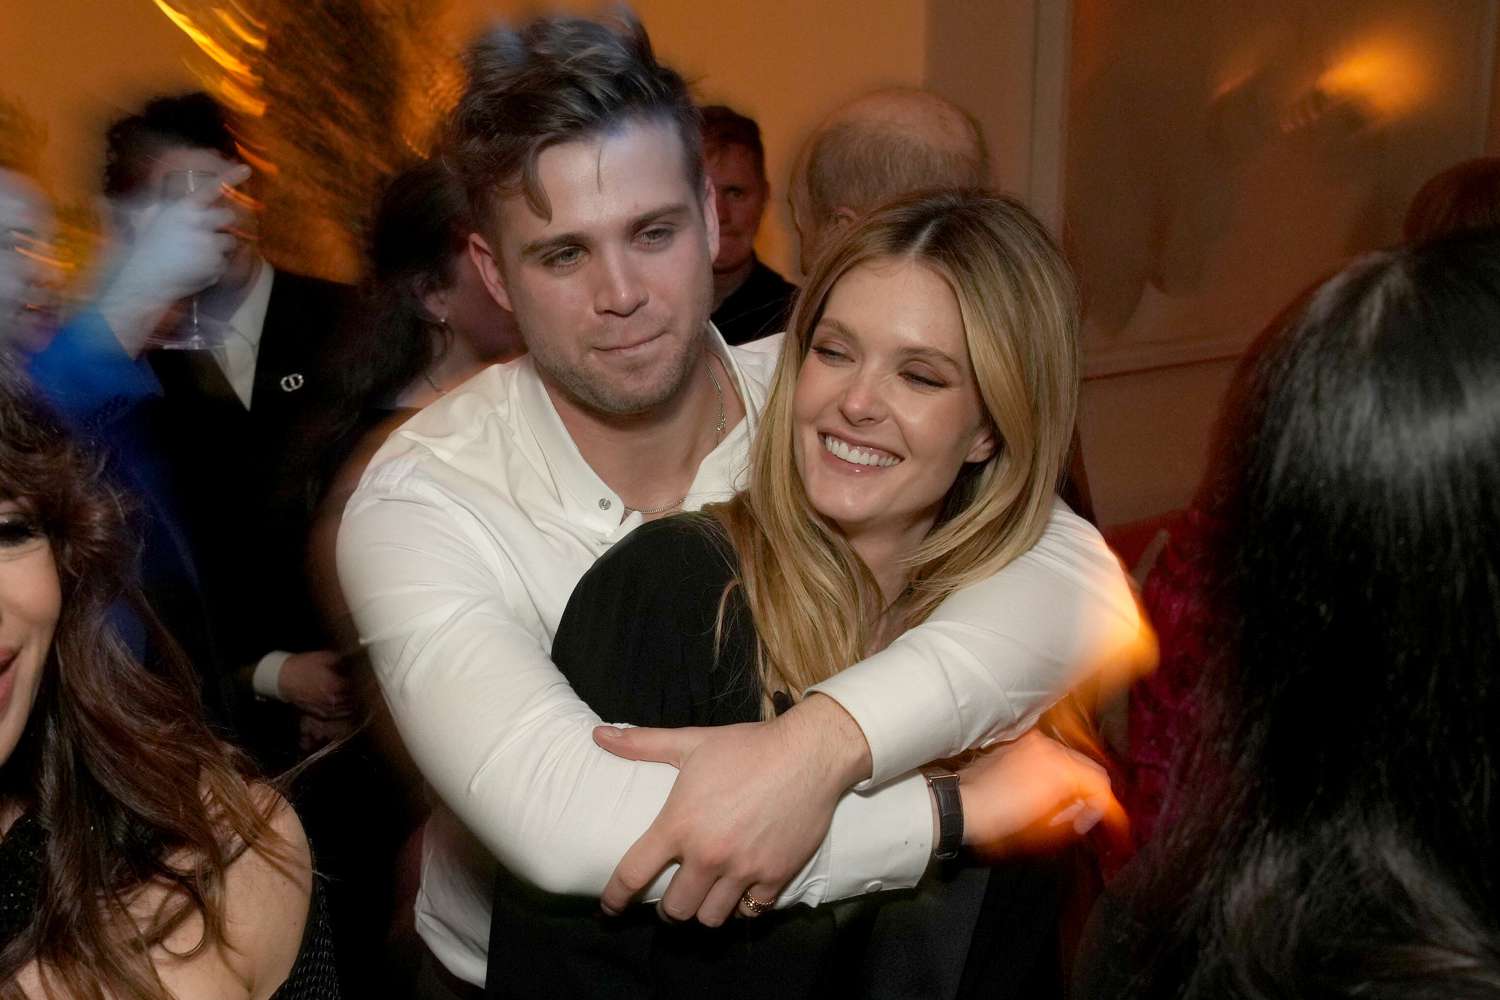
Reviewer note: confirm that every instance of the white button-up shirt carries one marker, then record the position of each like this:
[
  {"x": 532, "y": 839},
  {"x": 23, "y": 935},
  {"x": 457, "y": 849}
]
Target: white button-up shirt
[{"x": 458, "y": 554}]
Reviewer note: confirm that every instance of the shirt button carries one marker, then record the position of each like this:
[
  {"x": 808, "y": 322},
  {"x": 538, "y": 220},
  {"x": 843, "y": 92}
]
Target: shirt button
[
  {"x": 874, "y": 886},
  {"x": 603, "y": 504}
]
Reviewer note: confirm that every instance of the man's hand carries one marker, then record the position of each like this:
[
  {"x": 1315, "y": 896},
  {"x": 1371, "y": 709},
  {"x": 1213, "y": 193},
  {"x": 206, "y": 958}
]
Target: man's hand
[
  {"x": 314, "y": 733},
  {"x": 177, "y": 248},
  {"x": 749, "y": 809},
  {"x": 1034, "y": 794},
  {"x": 316, "y": 684}
]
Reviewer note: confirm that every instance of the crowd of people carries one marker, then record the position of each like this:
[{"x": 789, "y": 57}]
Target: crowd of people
[{"x": 576, "y": 607}]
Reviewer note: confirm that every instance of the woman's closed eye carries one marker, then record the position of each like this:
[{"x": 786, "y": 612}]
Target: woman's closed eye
[{"x": 925, "y": 379}]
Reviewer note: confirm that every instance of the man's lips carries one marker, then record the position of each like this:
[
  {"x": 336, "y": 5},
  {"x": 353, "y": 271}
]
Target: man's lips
[{"x": 633, "y": 344}]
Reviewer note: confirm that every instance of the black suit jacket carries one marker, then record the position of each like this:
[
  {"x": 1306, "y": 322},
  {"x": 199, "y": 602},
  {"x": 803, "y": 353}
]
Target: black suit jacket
[{"x": 245, "y": 502}]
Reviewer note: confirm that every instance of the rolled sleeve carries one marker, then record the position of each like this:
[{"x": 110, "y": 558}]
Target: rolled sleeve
[{"x": 997, "y": 654}]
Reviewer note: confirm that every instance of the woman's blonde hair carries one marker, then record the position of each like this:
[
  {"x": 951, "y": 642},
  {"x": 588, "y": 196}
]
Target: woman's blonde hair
[{"x": 815, "y": 605}]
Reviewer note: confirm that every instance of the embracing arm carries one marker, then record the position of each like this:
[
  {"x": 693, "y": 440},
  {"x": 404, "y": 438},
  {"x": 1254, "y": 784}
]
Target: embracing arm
[
  {"x": 996, "y": 655},
  {"x": 505, "y": 742}
]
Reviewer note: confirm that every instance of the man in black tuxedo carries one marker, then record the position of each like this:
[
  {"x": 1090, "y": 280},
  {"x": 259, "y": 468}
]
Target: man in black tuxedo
[{"x": 214, "y": 428}]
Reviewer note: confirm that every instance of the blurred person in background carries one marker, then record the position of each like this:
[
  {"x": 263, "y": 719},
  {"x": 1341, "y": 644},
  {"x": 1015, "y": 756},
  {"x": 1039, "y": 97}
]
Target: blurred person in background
[
  {"x": 428, "y": 326},
  {"x": 27, "y": 278},
  {"x": 1331, "y": 823},
  {"x": 215, "y": 424},
  {"x": 139, "y": 856},
  {"x": 750, "y": 299},
  {"x": 876, "y": 148}
]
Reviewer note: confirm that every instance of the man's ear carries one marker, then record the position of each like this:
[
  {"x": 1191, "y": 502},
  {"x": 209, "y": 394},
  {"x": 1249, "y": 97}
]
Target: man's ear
[
  {"x": 488, "y": 265},
  {"x": 984, "y": 445},
  {"x": 711, "y": 216}
]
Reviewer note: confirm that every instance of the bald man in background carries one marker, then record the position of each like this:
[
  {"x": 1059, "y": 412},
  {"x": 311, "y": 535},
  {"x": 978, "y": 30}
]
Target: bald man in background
[{"x": 879, "y": 147}]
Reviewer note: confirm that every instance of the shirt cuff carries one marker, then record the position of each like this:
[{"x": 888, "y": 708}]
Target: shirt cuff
[
  {"x": 881, "y": 839},
  {"x": 266, "y": 680},
  {"x": 896, "y": 745}
]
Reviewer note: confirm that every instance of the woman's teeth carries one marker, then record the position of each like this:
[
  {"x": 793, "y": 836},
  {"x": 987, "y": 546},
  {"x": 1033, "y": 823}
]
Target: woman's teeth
[{"x": 858, "y": 456}]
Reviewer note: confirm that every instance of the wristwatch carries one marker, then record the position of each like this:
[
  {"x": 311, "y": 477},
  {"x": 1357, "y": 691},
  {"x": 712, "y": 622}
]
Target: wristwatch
[{"x": 950, "y": 809}]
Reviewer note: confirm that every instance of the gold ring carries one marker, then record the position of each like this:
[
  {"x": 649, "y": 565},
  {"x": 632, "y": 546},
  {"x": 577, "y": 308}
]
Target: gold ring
[{"x": 755, "y": 907}]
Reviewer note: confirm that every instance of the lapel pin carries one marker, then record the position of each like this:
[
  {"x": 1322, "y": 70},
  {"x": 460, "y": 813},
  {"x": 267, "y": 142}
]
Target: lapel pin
[{"x": 292, "y": 382}]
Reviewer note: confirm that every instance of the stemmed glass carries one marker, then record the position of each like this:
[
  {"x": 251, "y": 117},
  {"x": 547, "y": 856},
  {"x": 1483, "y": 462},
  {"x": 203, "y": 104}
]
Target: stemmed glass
[{"x": 192, "y": 332}]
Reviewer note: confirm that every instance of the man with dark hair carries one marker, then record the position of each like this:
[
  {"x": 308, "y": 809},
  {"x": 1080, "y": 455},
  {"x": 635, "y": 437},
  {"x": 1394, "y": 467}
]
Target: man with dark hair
[
  {"x": 220, "y": 419},
  {"x": 471, "y": 526},
  {"x": 750, "y": 299}
]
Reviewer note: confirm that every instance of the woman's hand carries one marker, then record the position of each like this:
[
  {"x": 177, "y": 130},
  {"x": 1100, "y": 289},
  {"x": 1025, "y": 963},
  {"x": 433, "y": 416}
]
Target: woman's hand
[{"x": 1033, "y": 794}]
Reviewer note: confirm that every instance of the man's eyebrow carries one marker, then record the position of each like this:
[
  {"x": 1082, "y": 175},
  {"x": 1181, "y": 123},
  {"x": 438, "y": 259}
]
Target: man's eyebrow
[
  {"x": 537, "y": 248},
  {"x": 664, "y": 212}
]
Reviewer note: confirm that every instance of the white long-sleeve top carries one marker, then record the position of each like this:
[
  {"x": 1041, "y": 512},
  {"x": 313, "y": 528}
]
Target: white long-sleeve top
[{"x": 458, "y": 553}]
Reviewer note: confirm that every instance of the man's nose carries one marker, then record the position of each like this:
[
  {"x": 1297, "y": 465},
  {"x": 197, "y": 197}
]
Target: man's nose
[{"x": 620, "y": 290}]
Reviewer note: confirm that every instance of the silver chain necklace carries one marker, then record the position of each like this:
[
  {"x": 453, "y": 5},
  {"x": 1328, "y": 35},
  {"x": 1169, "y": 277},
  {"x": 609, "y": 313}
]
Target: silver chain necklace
[{"x": 718, "y": 436}]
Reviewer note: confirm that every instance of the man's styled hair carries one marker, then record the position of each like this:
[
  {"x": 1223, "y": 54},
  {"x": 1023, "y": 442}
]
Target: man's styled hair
[
  {"x": 193, "y": 120},
  {"x": 724, "y": 126},
  {"x": 862, "y": 164},
  {"x": 558, "y": 79}
]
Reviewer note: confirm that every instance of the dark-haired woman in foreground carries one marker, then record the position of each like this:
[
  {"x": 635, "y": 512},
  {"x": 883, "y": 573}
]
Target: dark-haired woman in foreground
[
  {"x": 137, "y": 857},
  {"x": 1334, "y": 831}
]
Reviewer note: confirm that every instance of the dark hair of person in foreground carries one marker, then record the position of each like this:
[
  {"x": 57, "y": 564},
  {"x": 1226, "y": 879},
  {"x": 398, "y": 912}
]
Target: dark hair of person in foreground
[
  {"x": 131, "y": 791},
  {"x": 1334, "y": 833}
]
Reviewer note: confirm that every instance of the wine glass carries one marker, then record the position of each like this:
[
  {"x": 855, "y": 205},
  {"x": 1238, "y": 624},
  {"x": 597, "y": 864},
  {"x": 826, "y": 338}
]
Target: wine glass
[{"x": 193, "y": 332}]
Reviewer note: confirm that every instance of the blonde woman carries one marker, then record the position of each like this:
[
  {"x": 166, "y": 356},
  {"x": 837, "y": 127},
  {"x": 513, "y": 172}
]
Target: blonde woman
[{"x": 915, "y": 432}]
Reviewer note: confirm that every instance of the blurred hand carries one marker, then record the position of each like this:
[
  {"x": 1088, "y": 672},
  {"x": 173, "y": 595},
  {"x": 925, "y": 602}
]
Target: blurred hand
[
  {"x": 315, "y": 683},
  {"x": 749, "y": 809},
  {"x": 1033, "y": 794},
  {"x": 178, "y": 248},
  {"x": 314, "y": 733}
]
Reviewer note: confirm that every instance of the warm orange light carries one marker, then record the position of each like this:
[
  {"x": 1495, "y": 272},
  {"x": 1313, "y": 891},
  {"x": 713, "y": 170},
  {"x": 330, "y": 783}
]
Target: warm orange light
[
  {"x": 211, "y": 48},
  {"x": 1385, "y": 76},
  {"x": 245, "y": 32}
]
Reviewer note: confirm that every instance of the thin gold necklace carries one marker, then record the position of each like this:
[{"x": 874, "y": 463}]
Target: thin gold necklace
[{"x": 718, "y": 436}]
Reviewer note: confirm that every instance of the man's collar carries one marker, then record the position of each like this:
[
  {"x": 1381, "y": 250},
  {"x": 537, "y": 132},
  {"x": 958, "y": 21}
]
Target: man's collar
[{"x": 249, "y": 319}]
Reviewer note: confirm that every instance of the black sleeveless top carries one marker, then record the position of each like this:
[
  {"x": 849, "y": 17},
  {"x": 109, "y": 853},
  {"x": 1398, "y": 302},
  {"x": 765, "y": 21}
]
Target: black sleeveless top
[{"x": 23, "y": 855}]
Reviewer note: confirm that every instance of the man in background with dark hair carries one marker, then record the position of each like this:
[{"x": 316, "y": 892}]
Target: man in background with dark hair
[
  {"x": 219, "y": 421},
  {"x": 750, "y": 299}
]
